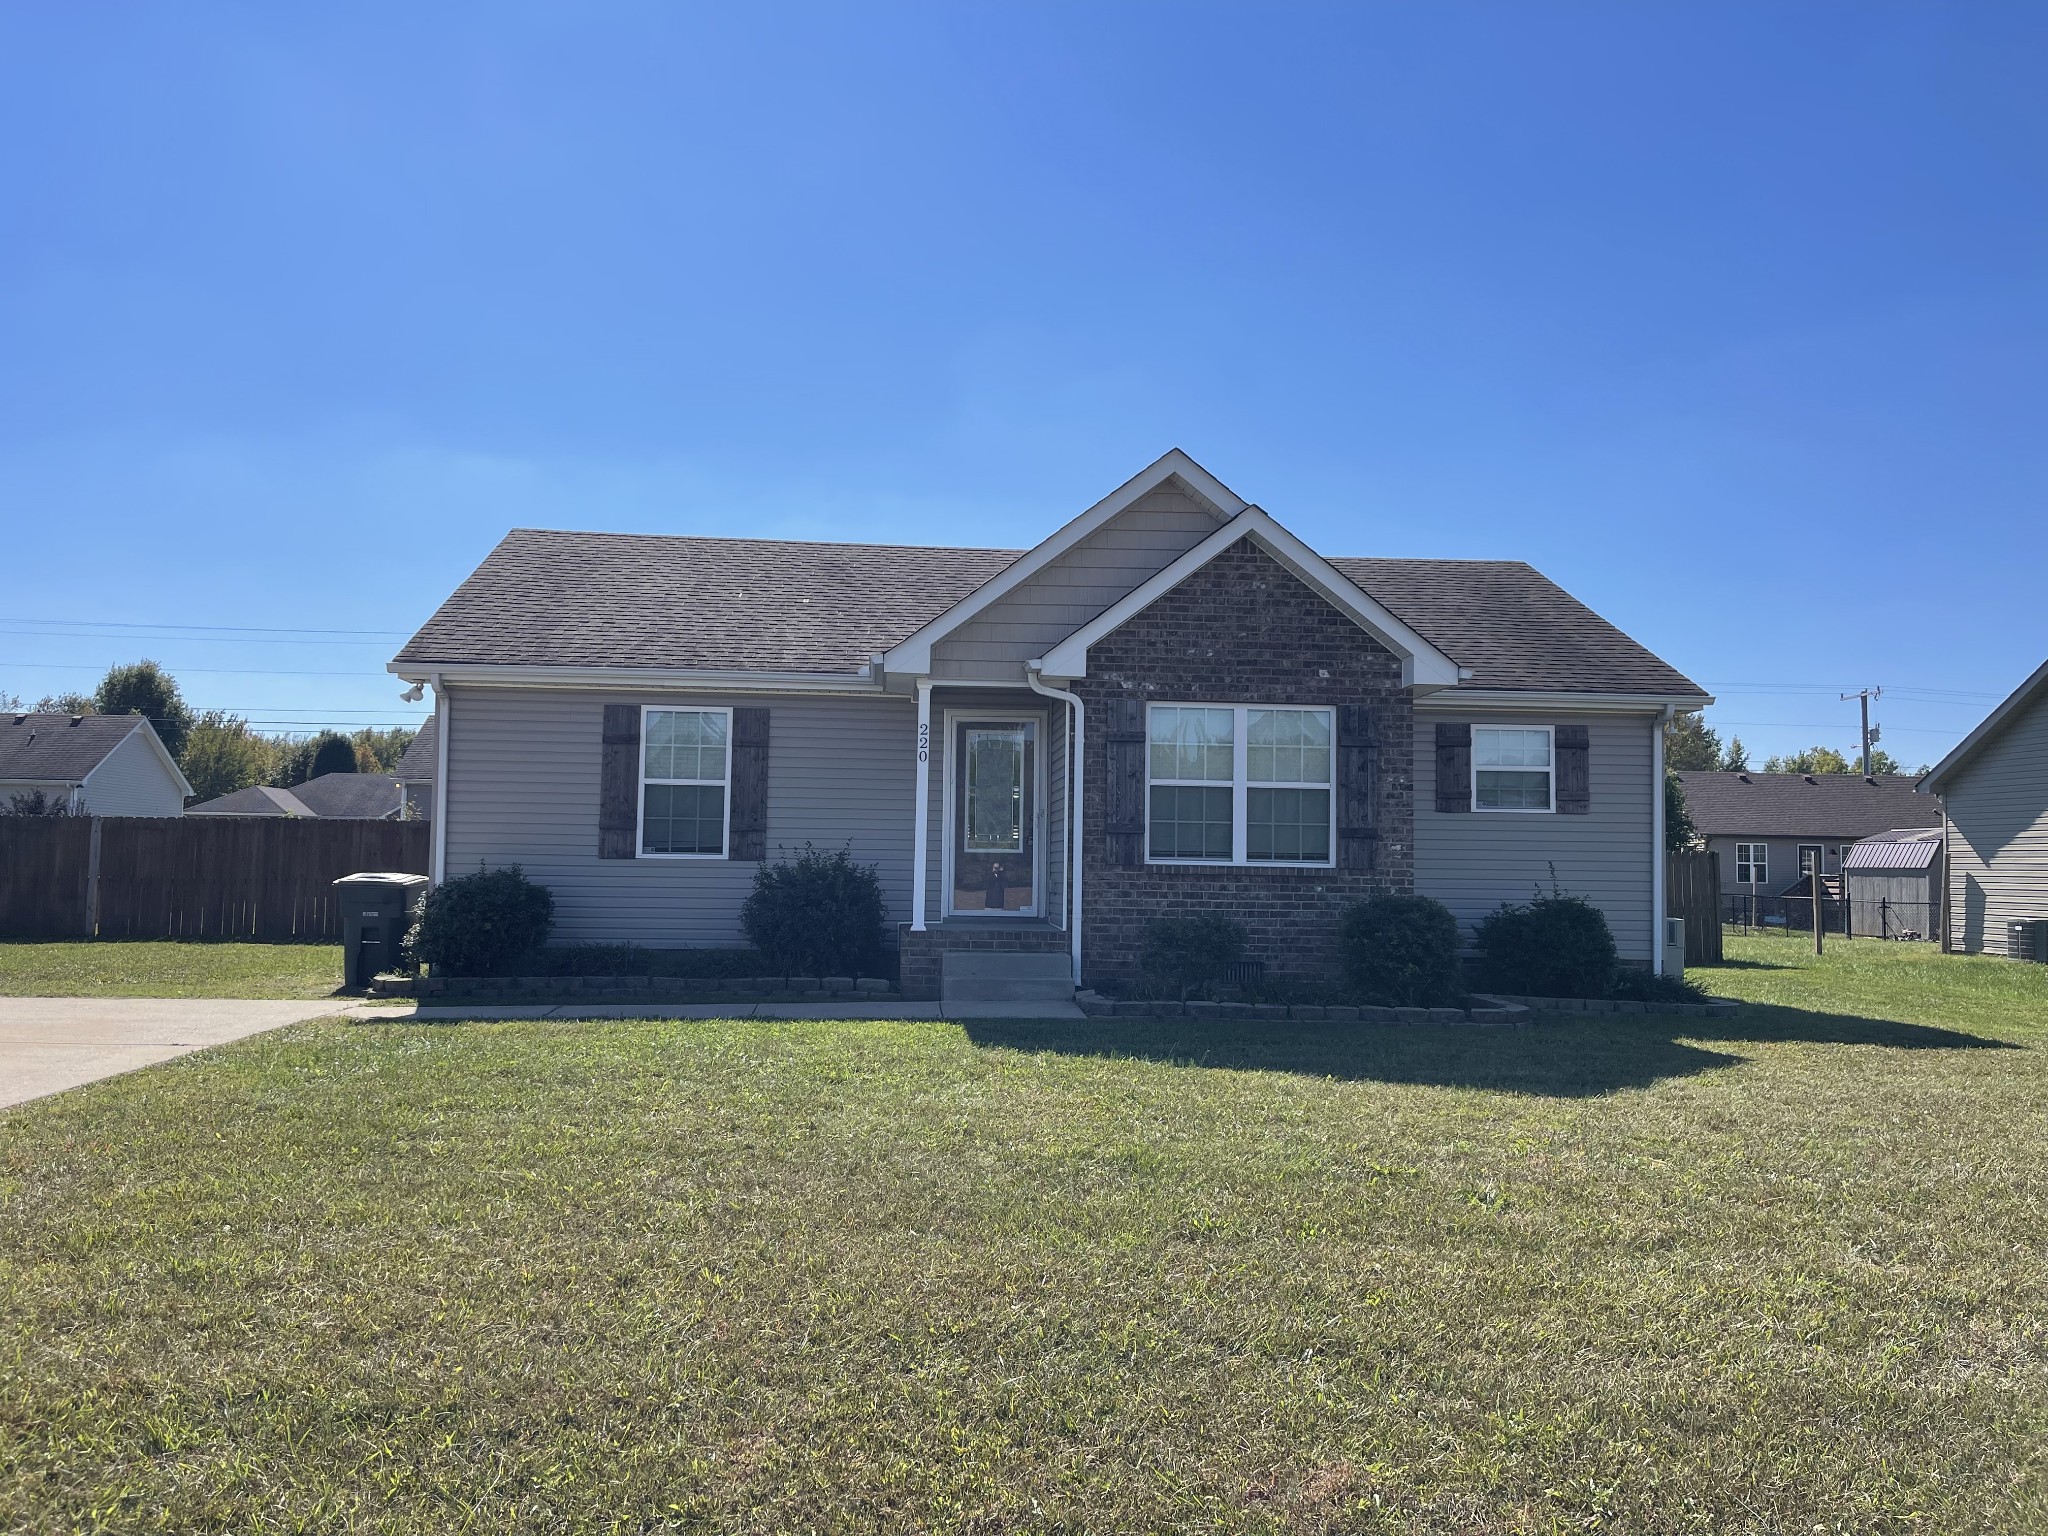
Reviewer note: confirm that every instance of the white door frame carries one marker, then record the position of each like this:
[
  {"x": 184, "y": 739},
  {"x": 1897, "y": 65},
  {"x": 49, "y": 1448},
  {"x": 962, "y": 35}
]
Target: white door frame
[{"x": 953, "y": 715}]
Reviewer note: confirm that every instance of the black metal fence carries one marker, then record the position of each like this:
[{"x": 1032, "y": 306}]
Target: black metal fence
[{"x": 1882, "y": 919}]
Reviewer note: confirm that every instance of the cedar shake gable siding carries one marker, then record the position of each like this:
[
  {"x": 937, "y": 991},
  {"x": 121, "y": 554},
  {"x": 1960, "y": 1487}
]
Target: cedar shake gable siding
[{"x": 1243, "y": 630}]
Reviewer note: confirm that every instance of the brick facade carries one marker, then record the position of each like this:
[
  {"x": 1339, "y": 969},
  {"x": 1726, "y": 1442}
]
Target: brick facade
[{"x": 1244, "y": 630}]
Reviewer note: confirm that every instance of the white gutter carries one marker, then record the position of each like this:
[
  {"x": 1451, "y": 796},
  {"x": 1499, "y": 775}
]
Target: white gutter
[
  {"x": 1075, "y": 803},
  {"x": 1657, "y": 843},
  {"x": 921, "y": 835},
  {"x": 1453, "y": 699},
  {"x": 442, "y": 712},
  {"x": 672, "y": 678}
]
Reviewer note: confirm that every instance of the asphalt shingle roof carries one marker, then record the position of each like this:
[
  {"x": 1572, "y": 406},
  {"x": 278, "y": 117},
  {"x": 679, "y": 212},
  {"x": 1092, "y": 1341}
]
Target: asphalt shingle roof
[
  {"x": 331, "y": 797},
  {"x": 54, "y": 748},
  {"x": 544, "y": 598},
  {"x": 1828, "y": 805},
  {"x": 256, "y": 800},
  {"x": 419, "y": 759}
]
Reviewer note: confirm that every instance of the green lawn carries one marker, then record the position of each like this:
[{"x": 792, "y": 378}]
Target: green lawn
[
  {"x": 1777, "y": 1273},
  {"x": 155, "y": 968}
]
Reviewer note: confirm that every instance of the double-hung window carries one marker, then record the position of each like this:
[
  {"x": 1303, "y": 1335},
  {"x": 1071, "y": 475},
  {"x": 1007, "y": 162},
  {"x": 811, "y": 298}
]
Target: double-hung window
[
  {"x": 685, "y": 778},
  {"x": 1239, "y": 784},
  {"x": 1752, "y": 863},
  {"x": 1513, "y": 768}
]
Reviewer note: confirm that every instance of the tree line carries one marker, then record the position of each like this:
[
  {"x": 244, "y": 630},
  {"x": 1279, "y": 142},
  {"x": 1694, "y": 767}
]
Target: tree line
[
  {"x": 1691, "y": 745},
  {"x": 217, "y": 751}
]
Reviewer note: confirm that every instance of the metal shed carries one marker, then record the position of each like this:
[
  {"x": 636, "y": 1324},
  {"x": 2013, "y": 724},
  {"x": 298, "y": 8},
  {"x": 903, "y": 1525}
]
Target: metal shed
[{"x": 1894, "y": 884}]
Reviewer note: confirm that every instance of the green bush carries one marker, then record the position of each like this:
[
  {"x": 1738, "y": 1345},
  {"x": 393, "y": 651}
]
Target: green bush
[
  {"x": 1636, "y": 986},
  {"x": 1556, "y": 946},
  {"x": 1400, "y": 952},
  {"x": 818, "y": 914},
  {"x": 483, "y": 924},
  {"x": 1190, "y": 955}
]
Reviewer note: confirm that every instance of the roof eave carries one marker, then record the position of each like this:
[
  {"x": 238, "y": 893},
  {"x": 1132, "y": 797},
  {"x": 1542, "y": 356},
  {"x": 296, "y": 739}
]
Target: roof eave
[{"x": 667, "y": 679}]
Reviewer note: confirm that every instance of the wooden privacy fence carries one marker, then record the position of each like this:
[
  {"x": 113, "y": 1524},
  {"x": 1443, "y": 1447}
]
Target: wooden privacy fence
[
  {"x": 197, "y": 877},
  {"x": 1692, "y": 890}
]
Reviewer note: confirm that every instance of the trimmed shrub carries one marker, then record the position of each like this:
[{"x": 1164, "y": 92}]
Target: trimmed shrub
[
  {"x": 1190, "y": 955},
  {"x": 818, "y": 914},
  {"x": 1556, "y": 946},
  {"x": 482, "y": 924},
  {"x": 1400, "y": 952},
  {"x": 1632, "y": 985}
]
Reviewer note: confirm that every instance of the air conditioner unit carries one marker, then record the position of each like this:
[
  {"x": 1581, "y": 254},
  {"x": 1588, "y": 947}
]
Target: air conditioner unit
[
  {"x": 1674, "y": 946},
  {"x": 2027, "y": 939}
]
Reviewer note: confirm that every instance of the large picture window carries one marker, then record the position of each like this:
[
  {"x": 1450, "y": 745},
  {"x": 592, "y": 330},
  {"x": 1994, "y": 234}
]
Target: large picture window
[
  {"x": 1240, "y": 784},
  {"x": 685, "y": 778},
  {"x": 1513, "y": 768}
]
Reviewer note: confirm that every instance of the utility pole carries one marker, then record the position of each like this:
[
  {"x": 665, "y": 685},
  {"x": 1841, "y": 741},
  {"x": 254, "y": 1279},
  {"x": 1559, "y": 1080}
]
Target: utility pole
[{"x": 1864, "y": 697}]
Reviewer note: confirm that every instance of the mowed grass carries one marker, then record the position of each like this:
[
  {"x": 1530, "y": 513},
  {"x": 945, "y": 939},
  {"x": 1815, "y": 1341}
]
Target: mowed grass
[
  {"x": 161, "y": 968},
  {"x": 1783, "y": 1272}
]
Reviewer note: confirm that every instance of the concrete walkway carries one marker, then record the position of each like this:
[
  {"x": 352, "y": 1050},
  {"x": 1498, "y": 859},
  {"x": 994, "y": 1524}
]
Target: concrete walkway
[{"x": 48, "y": 1044}]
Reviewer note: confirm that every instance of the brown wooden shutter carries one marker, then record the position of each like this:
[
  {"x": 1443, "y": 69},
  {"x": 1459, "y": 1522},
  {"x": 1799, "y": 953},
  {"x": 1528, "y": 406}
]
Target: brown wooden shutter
[
  {"x": 1454, "y": 767},
  {"x": 618, "y": 796},
  {"x": 1357, "y": 786},
  {"x": 1124, "y": 823},
  {"x": 1574, "y": 778},
  {"x": 749, "y": 784}
]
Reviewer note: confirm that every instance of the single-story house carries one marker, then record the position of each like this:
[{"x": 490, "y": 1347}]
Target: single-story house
[
  {"x": 330, "y": 797},
  {"x": 1171, "y": 705},
  {"x": 99, "y": 765},
  {"x": 415, "y": 773},
  {"x": 1769, "y": 830},
  {"x": 1994, "y": 798},
  {"x": 1893, "y": 883}
]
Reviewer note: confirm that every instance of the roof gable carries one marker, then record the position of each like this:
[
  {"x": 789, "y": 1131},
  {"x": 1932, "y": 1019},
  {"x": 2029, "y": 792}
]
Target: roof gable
[
  {"x": 2015, "y": 703},
  {"x": 65, "y": 749},
  {"x": 1422, "y": 663}
]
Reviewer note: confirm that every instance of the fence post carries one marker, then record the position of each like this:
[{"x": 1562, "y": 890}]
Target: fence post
[
  {"x": 92, "y": 882},
  {"x": 1820, "y": 907}
]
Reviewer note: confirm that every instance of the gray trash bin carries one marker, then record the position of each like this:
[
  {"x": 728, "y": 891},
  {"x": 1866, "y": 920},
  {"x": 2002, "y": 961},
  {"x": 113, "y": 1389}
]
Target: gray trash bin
[{"x": 376, "y": 912}]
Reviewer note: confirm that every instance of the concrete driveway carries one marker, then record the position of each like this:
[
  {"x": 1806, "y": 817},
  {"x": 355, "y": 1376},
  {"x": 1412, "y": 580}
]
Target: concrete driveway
[{"x": 48, "y": 1044}]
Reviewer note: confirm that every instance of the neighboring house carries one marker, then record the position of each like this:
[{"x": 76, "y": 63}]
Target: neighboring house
[
  {"x": 1769, "y": 829},
  {"x": 415, "y": 774},
  {"x": 1894, "y": 884},
  {"x": 331, "y": 797},
  {"x": 1994, "y": 791},
  {"x": 102, "y": 765},
  {"x": 1247, "y": 727}
]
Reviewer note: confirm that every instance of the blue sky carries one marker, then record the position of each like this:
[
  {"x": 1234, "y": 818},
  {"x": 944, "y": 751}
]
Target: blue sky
[{"x": 1734, "y": 320}]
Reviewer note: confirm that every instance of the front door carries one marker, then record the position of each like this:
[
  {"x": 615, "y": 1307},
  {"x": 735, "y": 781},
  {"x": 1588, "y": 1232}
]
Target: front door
[{"x": 993, "y": 840}]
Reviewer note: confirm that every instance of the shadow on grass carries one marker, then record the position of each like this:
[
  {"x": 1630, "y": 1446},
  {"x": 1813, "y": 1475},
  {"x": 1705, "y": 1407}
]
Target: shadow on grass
[{"x": 1559, "y": 1058}]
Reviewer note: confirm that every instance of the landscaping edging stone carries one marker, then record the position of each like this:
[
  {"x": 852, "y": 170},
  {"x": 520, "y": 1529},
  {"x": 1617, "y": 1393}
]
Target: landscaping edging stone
[
  {"x": 1486, "y": 1012},
  {"x": 1717, "y": 1008},
  {"x": 631, "y": 989}
]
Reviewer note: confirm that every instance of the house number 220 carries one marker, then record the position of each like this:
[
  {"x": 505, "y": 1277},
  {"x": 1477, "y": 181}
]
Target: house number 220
[{"x": 924, "y": 743}]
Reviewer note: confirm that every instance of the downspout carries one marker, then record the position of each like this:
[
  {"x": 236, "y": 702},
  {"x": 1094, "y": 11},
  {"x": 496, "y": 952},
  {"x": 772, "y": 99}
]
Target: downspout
[
  {"x": 1075, "y": 802},
  {"x": 921, "y": 834},
  {"x": 442, "y": 717},
  {"x": 1657, "y": 840}
]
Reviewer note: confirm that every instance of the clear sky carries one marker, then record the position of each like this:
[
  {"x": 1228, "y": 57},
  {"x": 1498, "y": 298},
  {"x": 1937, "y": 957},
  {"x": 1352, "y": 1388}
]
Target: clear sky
[{"x": 1734, "y": 320}]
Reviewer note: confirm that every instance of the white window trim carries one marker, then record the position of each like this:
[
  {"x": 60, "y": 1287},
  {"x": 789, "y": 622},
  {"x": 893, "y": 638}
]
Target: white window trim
[
  {"x": 950, "y": 721},
  {"x": 640, "y": 808},
  {"x": 1755, "y": 864},
  {"x": 1551, "y": 771},
  {"x": 1241, "y": 787}
]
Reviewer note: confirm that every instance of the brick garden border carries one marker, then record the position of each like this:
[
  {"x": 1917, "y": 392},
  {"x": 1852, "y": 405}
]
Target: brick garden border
[{"x": 632, "y": 989}]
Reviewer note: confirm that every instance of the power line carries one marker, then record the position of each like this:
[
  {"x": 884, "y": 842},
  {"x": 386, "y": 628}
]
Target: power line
[
  {"x": 77, "y": 666},
  {"x": 239, "y": 629},
  {"x": 79, "y": 634}
]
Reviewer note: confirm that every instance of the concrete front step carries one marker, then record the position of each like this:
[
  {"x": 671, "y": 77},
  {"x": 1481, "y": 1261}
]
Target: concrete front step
[{"x": 1004, "y": 976}]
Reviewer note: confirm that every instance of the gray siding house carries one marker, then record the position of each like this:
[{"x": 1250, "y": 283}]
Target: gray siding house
[
  {"x": 97, "y": 765},
  {"x": 1994, "y": 795},
  {"x": 1170, "y": 705},
  {"x": 1768, "y": 830}
]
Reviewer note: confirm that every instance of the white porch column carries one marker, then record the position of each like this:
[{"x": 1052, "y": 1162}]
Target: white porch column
[
  {"x": 443, "y": 718},
  {"x": 1657, "y": 725},
  {"x": 921, "y": 837}
]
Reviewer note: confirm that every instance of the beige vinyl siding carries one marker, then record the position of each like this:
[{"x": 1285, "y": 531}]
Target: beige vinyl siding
[
  {"x": 523, "y": 789},
  {"x": 132, "y": 780},
  {"x": 1472, "y": 861},
  {"x": 1123, "y": 553},
  {"x": 1998, "y": 833}
]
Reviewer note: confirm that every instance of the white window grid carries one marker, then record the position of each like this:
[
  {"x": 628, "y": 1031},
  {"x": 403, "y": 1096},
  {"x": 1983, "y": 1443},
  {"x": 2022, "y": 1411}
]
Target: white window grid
[
  {"x": 725, "y": 783},
  {"x": 1241, "y": 784},
  {"x": 1549, "y": 772}
]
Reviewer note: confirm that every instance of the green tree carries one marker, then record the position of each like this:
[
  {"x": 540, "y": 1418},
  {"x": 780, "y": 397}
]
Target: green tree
[
  {"x": 66, "y": 704},
  {"x": 334, "y": 753},
  {"x": 223, "y": 755},
  {"x": 1736, "y": 758},
  {"x": 1690, "y": 744},
  {"x": 146, "y": 689},
  {"x": 307, "y": 757},
  {"x": 378, "y": 751},
  {"x": 1680, "y": 834},
  {"x": 1812, "y": 760}
]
